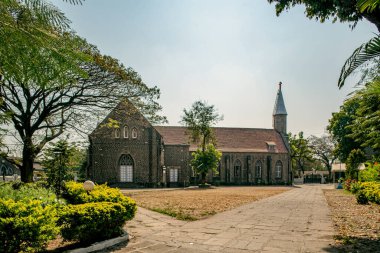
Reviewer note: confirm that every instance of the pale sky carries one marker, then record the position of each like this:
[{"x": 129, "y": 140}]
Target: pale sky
[{"x": 230, "y": 53}]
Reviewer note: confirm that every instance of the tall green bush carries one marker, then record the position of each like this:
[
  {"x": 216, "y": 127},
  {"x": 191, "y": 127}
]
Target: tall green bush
[{"x": 26, "y": 226}]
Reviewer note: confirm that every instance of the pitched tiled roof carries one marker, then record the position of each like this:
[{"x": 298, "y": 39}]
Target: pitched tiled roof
[{"x": 229, "y": 139}]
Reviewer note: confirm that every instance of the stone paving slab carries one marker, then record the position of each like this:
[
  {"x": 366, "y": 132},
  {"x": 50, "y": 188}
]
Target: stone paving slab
[{"x": 298, "y": 220}]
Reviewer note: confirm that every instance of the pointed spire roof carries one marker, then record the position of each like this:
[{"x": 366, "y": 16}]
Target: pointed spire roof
[{"x": 279, "y": 106}]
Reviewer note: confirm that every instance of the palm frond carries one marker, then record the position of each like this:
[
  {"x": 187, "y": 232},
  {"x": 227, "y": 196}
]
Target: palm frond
[
  {"x": 368, "y": 5},
  {"x": 362, "y": 54}
]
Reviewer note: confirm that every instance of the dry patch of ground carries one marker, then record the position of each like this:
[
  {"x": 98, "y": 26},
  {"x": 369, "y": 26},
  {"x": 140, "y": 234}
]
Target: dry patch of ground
[
  {"x": 358, "y": 225},
  {"x": 194, "y": 204}
]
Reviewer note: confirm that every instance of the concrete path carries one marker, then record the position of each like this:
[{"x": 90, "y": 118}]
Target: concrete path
[{"x": 294, "y": 221}]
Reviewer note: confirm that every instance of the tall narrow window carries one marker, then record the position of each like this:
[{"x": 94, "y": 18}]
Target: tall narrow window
[
  {"x": 173, "y": 175},
  {"x": 134, "y": 133},
  {"x": 278, "y": 169},
  {"x": 259, "y": 168},
  {"x": 126, "y": 168},
  {"x": 126, "y": 130},
  {"x": 117, "y": 133}
]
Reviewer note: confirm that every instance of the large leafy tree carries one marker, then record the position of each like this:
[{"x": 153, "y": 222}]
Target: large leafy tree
[
  {"x": 199, "y": 120},
  {"x": 365, "y": 126},
  {"x": 300, "y": 152},
  {"x": 62, "y": 83},
  {"x": 344, "y": 11},
  {"x": 339, "y": 128},
  {"x": 323, "y": 150}
]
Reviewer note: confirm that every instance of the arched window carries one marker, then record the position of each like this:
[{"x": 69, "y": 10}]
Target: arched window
[
  {"x": 134, "y": 133},
  {"x": 117, "y": 133},
  {"x": 126, "y": 130},
  {"x": 126, "y": 168},
  {"x": 259, "y": 169},
  {"x": 278, "y": 169},
  {"x": 237, "y": 168}
]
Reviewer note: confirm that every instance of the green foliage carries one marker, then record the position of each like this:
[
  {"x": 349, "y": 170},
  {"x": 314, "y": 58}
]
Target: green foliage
[
  {"x": 300, "y": 151},
  {"x": 361, "y": 198},
  {"x": 92, "y": 221},
  {"x": 340, "y": 130},
  {"x": 198, "y": 120},
  {"x": 348, "y": 183},
  {"x": 366, "y": 127},
  {"x": 355, "y": 158},
  {"x": 363, "y": 54},
  {"x": 74, "y": 193},
  {"x": 26, "y": 226},
  {"x": 62, "y": 162},
  {"x": 25, "y": 192},
  {"x": 370, "y": 173},
  {"x": 369, "y": 191},
  {"x": 368, "y": 5},
  {"x": 344, "y": 11},
  {"x": 205, "y": 160}
]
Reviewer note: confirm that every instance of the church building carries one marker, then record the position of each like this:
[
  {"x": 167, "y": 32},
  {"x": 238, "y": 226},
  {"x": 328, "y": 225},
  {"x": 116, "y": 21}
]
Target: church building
[{"x": 136, "y": 153}]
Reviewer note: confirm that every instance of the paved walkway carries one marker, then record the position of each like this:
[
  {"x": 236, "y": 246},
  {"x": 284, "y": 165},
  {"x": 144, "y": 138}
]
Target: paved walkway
[{"x": 294, "y": 221}]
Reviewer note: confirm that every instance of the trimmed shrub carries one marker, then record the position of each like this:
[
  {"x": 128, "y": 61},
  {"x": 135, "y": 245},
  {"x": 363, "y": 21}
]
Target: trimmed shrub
[
  {"x": 92, "y": 221},
  {"x": 27, "y": 191},
  {"x": 26, "y": 226},
  {"x": 75, "y": 194},
  {"x": 372, "y": 191}
]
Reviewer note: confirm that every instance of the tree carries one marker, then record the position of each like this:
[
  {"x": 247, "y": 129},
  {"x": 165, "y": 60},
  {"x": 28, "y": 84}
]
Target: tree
[
  {"x": 47, "y": 90},
  {"x": 205, "y": 160},
  {"x": 198, "y": 120},
  {"x": 345, "y": 11},
  {"x": 339, "y": 128},
  {"x": 62, "y": 162},
  {"x": 355, "y": 158},
  {"x": 365, "y": 127},
  {"x": 300, "y": 152},
  {"x": 323, "y": 150}
]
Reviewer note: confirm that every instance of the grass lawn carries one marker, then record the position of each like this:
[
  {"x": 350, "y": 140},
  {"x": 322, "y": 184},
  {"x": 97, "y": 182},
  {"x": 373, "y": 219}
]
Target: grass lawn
[
  {"x": 194, "y": 204},
  {"x": 358, "y": 226}
]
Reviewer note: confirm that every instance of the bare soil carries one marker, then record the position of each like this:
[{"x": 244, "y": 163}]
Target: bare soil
[
  {"x": 358, "y": 226},
  {"x": 194, "y": 204}
]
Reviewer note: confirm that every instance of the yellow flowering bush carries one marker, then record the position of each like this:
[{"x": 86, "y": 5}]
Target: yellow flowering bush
[{"x": 26, "y": 226}]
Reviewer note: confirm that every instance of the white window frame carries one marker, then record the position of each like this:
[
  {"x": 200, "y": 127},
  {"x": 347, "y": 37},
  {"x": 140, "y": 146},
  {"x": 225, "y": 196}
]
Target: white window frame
[
  {"x": 126, "y": 132},
  {"x": 134, "y": 133},
  {"x": 278, "y": 169},
  {"x": 173, "y": 175}
]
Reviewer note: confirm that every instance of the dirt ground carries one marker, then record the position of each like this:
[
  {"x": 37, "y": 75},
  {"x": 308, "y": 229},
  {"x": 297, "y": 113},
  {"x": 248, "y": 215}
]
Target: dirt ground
[
  {"x": 358, "y": 226},
  {"x": 194, "y": 204}
]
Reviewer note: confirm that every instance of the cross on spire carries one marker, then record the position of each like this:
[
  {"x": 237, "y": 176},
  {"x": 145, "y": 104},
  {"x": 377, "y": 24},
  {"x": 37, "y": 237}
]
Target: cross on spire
[{"x": 279, "y": 84}]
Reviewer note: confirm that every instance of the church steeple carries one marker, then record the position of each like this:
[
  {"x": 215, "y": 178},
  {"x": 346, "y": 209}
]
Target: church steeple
[{"x": 279, "y": 112}]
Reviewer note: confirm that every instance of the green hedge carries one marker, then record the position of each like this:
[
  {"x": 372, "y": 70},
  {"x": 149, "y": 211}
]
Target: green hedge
[
  {"x": 366, "y": 191},
  {"x": 26, "y": 226},
  {"x": 92, "y": 221},
  {"x": 75, "y": 194}
]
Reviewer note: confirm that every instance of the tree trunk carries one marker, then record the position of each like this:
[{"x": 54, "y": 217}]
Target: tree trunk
[
  {"x": 27, "y": 161},
  {"x": 203, "y": 178}
]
